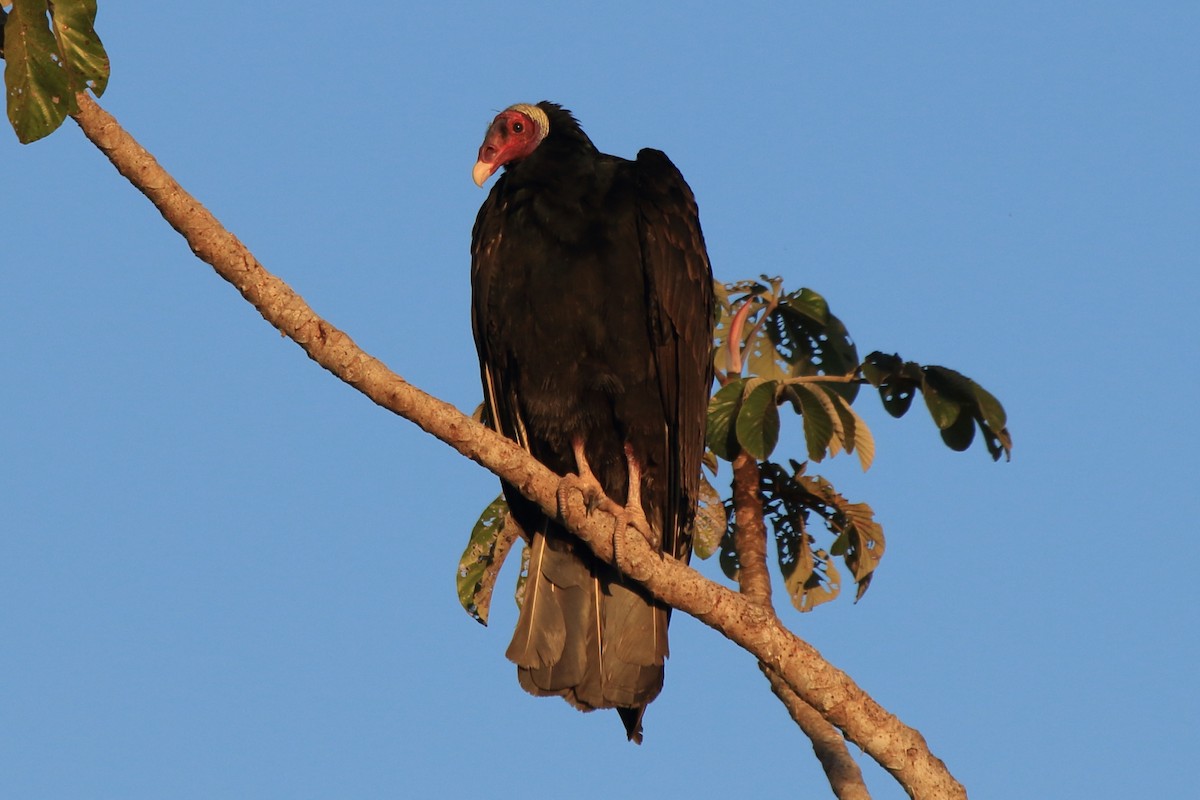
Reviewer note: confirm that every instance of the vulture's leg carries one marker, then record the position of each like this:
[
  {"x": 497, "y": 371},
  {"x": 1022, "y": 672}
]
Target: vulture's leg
[
  {"x": 633, "y": 513},
  {"x": 584, "y": 482}
]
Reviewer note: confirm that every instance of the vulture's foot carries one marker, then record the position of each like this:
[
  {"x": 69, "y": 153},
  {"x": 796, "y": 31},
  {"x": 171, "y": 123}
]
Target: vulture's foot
[{"x": 633, "y": 515}]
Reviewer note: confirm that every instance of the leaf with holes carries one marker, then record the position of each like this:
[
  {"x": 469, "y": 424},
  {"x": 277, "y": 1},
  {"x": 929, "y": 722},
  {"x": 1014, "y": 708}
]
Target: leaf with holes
[
  {"x": 810, "y": 340},
  {"x": 789, "y": 500},
  {"x": 859, "y": 541},
  {"x": 481, "y": 561},
  {"x": 824, "y": 583},
  {"x": 522, "y": 578},
  {"x": 896, "y": 380}
]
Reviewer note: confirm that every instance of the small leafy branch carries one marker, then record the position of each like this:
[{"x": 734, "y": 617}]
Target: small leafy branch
[{"x": 775, "y": 349}]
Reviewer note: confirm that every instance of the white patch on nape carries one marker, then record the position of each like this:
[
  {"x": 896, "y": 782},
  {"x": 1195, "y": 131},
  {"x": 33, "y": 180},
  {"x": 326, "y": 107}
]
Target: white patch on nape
[{"x": 536, "y": 114}]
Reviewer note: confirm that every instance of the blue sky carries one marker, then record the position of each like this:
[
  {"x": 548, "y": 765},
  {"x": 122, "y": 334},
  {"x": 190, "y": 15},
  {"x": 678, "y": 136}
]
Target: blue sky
[{"x": 224, "y": 573}]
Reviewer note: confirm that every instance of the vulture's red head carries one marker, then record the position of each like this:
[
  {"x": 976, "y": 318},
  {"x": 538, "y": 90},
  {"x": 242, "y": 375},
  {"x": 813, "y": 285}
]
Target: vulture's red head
[{"x": 514, "y": 134}]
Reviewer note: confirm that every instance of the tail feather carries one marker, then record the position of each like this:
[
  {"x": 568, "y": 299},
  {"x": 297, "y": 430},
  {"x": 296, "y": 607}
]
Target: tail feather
[
  {"x": 541, "y": 628},
  {"x": 587, "y": 637}
]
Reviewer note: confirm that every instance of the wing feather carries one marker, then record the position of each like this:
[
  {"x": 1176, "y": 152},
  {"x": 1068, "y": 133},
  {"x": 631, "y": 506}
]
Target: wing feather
[{"x": 680, "y": 291}]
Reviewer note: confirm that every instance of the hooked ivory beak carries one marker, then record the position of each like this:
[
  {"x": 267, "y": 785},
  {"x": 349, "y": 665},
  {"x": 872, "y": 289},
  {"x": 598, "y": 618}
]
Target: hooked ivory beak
[{"x": 482, "y": 172}]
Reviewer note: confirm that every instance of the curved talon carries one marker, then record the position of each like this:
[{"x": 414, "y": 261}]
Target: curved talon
[
  {"x": 591, "y": 491},
  {"x": 585, "y": 483}
]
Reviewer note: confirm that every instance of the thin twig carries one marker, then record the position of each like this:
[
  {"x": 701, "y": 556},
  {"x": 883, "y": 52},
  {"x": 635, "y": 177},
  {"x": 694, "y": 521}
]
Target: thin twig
[{"x": 734, "y": 338}]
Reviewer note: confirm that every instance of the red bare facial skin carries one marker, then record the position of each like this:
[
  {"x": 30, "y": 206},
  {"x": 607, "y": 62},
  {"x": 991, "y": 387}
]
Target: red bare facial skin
[{"x": 511, "y": 137}]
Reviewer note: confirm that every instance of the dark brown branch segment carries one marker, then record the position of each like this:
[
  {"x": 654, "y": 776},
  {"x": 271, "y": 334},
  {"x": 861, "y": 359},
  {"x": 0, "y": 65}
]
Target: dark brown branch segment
[
  {"x": 900, "y": 750},
  {"x": 750, "y": 531},
  {"x": 750, "y": 539}
]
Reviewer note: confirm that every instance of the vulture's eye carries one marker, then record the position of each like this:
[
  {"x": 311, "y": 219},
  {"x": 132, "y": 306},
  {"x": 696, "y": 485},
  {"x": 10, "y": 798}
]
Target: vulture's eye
[{"x": 518, "y": 127}]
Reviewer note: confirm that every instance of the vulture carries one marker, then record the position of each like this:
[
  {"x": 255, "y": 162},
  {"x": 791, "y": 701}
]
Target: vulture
[{"x": 592, "y": 310}]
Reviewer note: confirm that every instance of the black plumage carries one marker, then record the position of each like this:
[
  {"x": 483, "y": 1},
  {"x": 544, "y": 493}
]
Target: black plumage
[{"x": 592, "y": 311}]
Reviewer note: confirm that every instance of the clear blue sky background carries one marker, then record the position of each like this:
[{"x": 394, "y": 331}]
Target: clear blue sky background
[{"x": 225, "y": 574}]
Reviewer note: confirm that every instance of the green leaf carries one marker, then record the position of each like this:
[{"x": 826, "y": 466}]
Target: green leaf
[
  {"x": 39, "y": 92},
  {"x": 959, "y": 435},
  {"x": 74, "y": 27},
  {"x": 811, "y": 304},
  {"x": 758, "y": 419},
  {"x": 824, "y": 395},
  {"x": 711, "y": 520},
  {"x": 762, "y": 359},
  {"x": 797, "y": 566},
  {"x": 818, "y": 427},
  {"x": 943, "y": 410},
  {"x": 864, "y": 444},
  {"x": 856, "y": 435},
  {"x": 722, "y": 411},
  {"x": 976, "y": 406},
  {"x": 993, "y": 423},
  {"x": 989, "y": 407},
  {"x": 480, "y": 563},
  {"x": 878, "y": 366},
  {"x": 51, "y": 54}
]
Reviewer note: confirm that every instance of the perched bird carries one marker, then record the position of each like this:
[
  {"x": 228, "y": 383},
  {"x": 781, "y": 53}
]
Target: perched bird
[{"x": 592, "y": 308}]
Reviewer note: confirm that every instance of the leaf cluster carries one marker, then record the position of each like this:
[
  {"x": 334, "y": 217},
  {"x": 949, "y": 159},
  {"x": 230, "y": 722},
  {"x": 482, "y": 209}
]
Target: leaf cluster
[
  {"x": 790, "y": 499},
  {"x": 776, "y": 349},
  {"x": 956, "y": 403},
  {"x": 51, "y": 53},
  {"x": 771, "y": 347}
]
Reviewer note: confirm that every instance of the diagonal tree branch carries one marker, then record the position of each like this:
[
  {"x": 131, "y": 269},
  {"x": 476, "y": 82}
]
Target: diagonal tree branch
[
  {"x": 901, "y": 750},
  {"x": 829, "y": 745}
]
